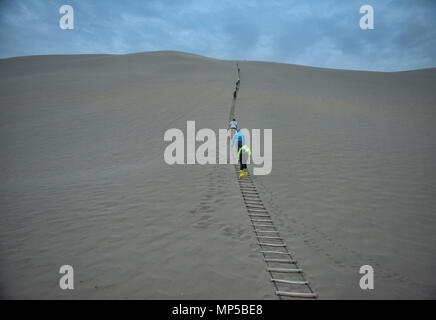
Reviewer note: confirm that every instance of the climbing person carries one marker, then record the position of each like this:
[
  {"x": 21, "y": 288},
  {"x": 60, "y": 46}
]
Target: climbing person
[
  {"x": 233, "y": 127},
  {"x": 234, "y": 124},
  {"x": 244, "y": 154},
  {"x": 240, "y": 138},
  {"x": 234, "y": 94}
]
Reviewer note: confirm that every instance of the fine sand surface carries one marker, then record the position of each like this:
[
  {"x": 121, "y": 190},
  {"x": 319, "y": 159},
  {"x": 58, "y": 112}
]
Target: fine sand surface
[{"x": 84, "y": 183}]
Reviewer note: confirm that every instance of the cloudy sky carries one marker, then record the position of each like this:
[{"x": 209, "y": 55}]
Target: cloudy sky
[{"x": 323, "y": 33}]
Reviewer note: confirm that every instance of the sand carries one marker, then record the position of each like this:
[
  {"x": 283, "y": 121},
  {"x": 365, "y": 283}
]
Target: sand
[{"x": 84, "y": 182}]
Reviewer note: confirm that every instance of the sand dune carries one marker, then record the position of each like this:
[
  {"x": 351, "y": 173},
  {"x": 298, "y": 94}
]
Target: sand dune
[{"x": 84, "y": 182}]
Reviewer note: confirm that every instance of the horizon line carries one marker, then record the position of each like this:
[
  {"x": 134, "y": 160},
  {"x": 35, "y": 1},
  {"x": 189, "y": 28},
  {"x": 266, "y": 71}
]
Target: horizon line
[{"x": 208, "y": 57}]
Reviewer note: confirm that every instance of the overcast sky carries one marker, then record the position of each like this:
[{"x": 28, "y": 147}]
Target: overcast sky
[{"x": 323, "y": 33}]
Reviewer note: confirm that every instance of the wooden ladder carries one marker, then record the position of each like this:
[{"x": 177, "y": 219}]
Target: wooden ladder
[{"x": 288, "y": 279}]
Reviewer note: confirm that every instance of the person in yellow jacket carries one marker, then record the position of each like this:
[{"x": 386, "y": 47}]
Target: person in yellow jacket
[{"x": 244, "y": 154}]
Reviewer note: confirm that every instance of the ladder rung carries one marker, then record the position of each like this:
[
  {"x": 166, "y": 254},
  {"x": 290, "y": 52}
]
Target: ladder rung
[
  {"x": 267, "y": 237},
  {"x": 280, "y": 260},
  {"x": 261, "y": 220},
  {"x": 290, "y": 281},
  {"x": 296, "y": 294},
  {"x": 258, "y": 215},
  {"x": 264, "y": 225},
  {"x": 253, "y": 201},
  {"x": 272, "y": 244},
  {"x": 254, "y": 206},
  {"x": 268, "y": 231},
  {"x": 284, "y": 270},
  {"x": 276, "y": 252},
  {"x": 257, "y": 210}
]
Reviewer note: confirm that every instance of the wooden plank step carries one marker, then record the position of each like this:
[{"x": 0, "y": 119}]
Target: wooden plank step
[
  {"x": 275, "y": 252},
  {"x": 268, "y": 237},
  {"x": 290, "y": 281},
  {"x": 248, "y": 205},
  {"x": 257, "y": 210},
  {"x": 264, "y": 225},
  {"x": 256, "y": 199},
  {"x": 272, "y": 244},
  {"x": 259, "y": 215},
  {"x": 261, "y": 220},
  {"x": 249, "y": 193},
  {"x": 253, "y": 201},
  {"x": 284, "y": 270},
  {"x": 268, "y": 231},
  {"x": 280, "y": 260},
  {"x": 251, "y": 206},
  {"x": 296, "y": 294}
]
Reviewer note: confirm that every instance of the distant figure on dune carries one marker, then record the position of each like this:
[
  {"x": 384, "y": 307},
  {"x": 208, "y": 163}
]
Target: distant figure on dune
[{"x": 233, "y": 126}]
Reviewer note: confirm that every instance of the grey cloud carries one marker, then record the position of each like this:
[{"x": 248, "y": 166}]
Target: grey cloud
[{"x": 322, "y": 33}]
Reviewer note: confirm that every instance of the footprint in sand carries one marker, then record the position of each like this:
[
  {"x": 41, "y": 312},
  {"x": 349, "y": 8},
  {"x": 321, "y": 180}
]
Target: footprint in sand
[
  {"x": 206, "y": 209},
  {"x": 203, "y": 222}
]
